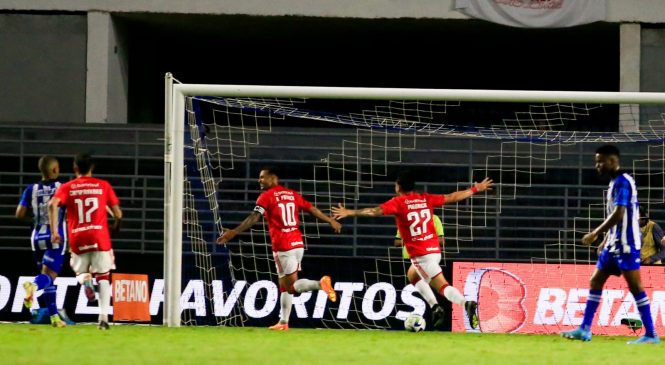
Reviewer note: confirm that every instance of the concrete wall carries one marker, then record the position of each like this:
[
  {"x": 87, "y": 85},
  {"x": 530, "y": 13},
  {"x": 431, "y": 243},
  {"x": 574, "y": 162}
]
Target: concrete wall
[
  {"x": 107, "y": 81},
  {"x": 42, "y": 68},
  {"x": 105, "y": 62},
  {"x": 646, "y": 11},
  {"x": 652, "y": 76},
  {"x": 321, "y": 8}
]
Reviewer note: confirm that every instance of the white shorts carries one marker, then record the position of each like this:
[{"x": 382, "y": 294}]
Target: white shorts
[
  {"x": 93, "y": 262},
  {"x": 288, "y": 262},
  {"x": 427, "y": 266}
]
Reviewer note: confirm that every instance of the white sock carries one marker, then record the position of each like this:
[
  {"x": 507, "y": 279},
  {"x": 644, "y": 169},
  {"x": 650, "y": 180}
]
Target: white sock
[
  {"x": 304, "y": 285},
  {"x": 104, "y": 300},
  {"x": 426, "y": 291},
  {"x": 285, "y": 303},
  {"x": 451, "y": 293}
]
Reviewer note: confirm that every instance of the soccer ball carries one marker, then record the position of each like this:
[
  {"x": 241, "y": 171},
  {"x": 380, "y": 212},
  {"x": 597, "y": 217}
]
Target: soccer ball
[{"x": 414, "y": 323}]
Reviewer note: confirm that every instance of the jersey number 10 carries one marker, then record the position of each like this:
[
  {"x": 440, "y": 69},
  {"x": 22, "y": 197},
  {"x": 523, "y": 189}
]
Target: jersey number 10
[{"x": 288, "y": 214}]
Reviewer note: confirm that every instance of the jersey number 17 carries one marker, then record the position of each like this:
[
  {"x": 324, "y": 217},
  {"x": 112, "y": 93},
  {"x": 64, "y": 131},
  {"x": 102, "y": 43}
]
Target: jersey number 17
[{"x": 85, "y": 208}]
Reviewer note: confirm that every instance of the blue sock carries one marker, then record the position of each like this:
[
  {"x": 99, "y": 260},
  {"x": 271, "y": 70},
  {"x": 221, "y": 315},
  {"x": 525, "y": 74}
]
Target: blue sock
[
  {"x": 643, "y": 306},
  {"x": 49, "y": 298},
  {"x": 42, "y": 281},
  {"x": 592, "y": 303}
]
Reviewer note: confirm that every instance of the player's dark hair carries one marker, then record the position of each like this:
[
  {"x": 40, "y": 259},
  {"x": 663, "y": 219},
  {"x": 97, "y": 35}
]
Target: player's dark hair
[
  {"x": 272, "y": 170},
  {"x": 406, "y": 180},
  {"x": 84, "y": 162},
  {"x": 608, "y": 150},
  {"x": 45, "y": 163}
]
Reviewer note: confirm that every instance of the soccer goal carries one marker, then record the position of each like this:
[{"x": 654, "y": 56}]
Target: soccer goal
[{"x": 346, "y": 145}]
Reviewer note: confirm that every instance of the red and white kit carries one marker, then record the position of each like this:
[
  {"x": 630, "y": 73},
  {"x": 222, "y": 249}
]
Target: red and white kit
[
  {"x": 413, "y": 216},
  {"x": 281, "y": 207},
  {"x": 86, "y": 199}
]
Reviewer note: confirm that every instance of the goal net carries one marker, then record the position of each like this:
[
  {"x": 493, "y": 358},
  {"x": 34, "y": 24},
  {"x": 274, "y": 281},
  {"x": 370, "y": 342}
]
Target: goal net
[{"x": 346, "y": 145}]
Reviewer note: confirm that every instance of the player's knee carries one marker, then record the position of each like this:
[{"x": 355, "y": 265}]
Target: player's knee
[
  {"x": 82, "y": 278},
  {"x": 635, "y": 288}
]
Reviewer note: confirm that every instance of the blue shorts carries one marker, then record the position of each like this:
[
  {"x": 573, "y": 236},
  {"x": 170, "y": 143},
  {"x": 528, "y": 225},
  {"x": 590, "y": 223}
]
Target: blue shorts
[
  {"x": 615, "y": 262},
  {"x": 51, "y": 258}
]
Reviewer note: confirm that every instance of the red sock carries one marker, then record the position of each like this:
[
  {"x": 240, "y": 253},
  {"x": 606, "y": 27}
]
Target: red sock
[{"x": 442, "y": 289}]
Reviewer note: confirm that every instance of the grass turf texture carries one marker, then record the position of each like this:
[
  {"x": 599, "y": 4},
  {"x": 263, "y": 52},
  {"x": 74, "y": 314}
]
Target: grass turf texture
[{"x": 85, "y": 344}]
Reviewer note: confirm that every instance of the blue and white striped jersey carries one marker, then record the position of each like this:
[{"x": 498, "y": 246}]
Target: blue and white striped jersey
[
  {"x": 37, "y": 196},
  {"x": 626, "y": 234}
]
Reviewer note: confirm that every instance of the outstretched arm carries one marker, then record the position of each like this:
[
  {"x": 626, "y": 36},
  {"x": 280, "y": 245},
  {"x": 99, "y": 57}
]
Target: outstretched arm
[
  {"x": 611, "y": 221},
  {"x": 480, "y": 187},
  {"x": 336, "y": 226},
  {"x": 340, "y": 212},
  {"x": 228, "y": 235}
]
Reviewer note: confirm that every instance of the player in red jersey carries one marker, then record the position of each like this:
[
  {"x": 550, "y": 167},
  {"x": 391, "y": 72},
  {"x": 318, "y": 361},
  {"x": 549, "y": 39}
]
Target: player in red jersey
[
  {"x": 86, "y": 199},
  {"x": 413, "y": 215},
  {"x": 281, "y": 207}
]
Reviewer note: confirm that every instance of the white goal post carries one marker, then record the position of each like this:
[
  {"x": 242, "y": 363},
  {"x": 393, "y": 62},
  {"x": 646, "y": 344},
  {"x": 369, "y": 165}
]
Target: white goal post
[{"x": 175, "y": 98}]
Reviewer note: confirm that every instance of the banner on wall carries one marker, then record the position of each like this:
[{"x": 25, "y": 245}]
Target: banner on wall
[
  {"x": 549, "y": 298},
  {"x": 135, "y": 300},
  {"x": 535, "y": 13},
  {"x": 131, "y": 297}
]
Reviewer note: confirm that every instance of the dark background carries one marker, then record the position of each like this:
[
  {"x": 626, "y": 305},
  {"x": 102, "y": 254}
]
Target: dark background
[{"x": 423, "y": 53}]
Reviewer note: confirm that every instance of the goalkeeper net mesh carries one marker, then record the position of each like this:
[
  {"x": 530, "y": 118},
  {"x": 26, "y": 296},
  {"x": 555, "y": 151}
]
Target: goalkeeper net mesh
[{"x": 349, "y": 151}]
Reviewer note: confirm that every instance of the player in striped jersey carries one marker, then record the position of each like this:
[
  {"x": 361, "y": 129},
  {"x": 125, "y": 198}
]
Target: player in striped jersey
[
  {"x": 619, "y": 252},
  {"x": 48, "y": 255}
]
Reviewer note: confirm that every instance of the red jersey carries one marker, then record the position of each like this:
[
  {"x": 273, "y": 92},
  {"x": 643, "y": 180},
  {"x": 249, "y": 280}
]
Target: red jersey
[
  {"x": 413, "y": 216},
  {"x": 281, "y": 207},
  {"x": 86, "y": 199}
]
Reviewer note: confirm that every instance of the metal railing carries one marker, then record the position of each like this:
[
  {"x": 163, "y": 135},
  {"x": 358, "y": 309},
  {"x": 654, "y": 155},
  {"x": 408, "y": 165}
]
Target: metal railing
[{"x": 131, "y": 158}]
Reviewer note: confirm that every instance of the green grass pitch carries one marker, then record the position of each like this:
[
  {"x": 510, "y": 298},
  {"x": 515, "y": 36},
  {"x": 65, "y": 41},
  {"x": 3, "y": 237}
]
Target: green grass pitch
[{"x": 85, "y": 344}]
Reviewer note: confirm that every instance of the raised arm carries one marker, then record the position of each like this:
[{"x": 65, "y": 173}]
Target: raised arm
[
  {"x": 228, "y": 234},
  {"x": 480, "y": 187},
  {"x": 340, "y": 212},
  {"x": 336, "y": 226}
]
